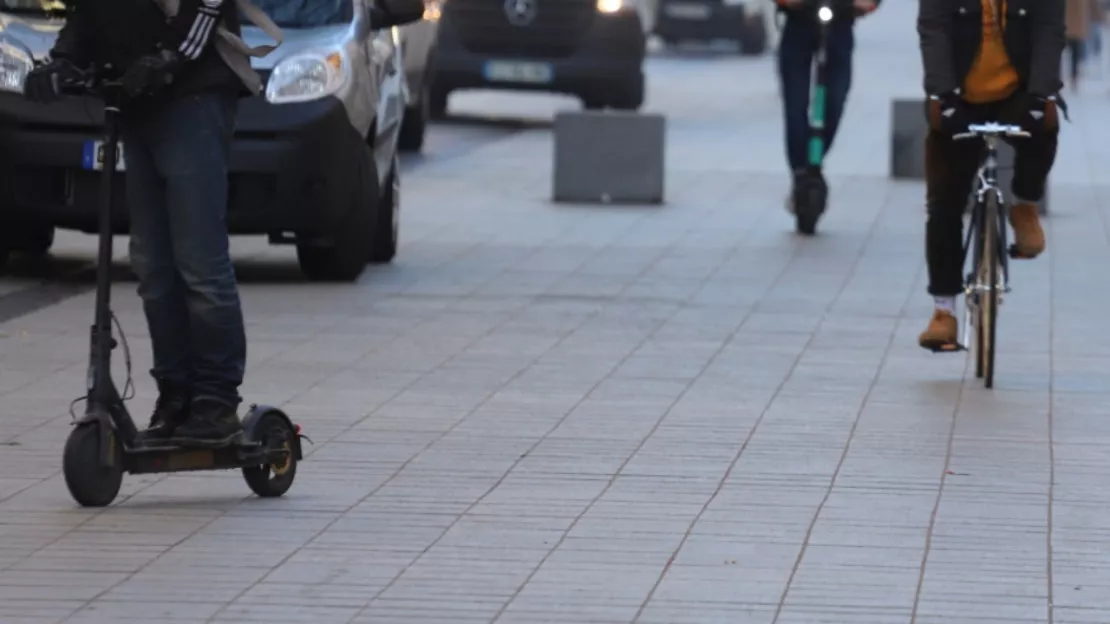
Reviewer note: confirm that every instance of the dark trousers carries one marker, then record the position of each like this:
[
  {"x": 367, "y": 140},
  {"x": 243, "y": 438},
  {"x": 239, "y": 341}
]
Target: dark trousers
[
  {"x": 797, "y": 49},
  {"x": 950, "y": 170},
  {"x": 177, "y": 191}
]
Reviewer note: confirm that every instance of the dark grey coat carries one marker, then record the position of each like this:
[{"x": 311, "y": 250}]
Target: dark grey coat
[{"x": 951, "y": 33}]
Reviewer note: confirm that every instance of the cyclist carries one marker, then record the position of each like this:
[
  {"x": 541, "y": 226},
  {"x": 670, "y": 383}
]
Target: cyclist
[
  {"x": 985, "y": 60},
  {"x": 797, "y": 47},
  {"x": 182, "y": 68}
]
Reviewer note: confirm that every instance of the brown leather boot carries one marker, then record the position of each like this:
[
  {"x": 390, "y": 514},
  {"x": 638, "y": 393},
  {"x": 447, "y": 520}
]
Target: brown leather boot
[
  {"x": 1028, "y": 235},
  {"x": 942, "y": 334}
]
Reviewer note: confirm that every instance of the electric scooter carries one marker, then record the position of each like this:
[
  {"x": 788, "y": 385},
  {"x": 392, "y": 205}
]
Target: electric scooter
[
  {"x": 105, "y": 443},
  {"x": 811, "y": 192}
]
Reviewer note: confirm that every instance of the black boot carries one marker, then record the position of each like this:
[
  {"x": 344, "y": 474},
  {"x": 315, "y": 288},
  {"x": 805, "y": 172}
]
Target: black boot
[
  {"x": 210, "y": 423},
  {"x": 170, "y": 410}
]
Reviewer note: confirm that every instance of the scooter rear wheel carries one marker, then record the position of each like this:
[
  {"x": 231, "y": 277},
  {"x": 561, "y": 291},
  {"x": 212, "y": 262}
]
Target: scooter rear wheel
[
  {"x": 90, "y": 483},
  {"x": 273, "y": 480}
]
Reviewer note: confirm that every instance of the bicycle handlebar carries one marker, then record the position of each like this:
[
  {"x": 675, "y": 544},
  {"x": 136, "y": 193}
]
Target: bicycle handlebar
[{"x": 993, "y": 129}]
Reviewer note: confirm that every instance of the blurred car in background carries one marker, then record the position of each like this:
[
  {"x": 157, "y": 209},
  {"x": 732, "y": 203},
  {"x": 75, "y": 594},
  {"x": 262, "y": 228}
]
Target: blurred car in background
[
  {"x": 592, "y": 49},
  {"x": 749, "y": 23},
  {"x": 313, "y": 162},
  {"x": 418, "y": 48}
]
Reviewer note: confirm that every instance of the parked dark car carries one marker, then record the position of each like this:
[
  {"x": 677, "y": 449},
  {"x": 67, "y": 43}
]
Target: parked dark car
[
  {"x": 592, "y": 49},
  {"x": 742, "y": 21}
]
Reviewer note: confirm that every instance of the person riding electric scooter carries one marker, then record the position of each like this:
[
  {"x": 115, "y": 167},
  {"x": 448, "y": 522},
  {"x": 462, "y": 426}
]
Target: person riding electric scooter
[
  {"x": 821, "y": 29},
  {"x": 182, "y": 69}
]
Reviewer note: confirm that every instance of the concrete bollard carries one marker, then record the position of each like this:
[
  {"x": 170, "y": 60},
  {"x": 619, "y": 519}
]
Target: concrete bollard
[{"x": 609, "y": 157}]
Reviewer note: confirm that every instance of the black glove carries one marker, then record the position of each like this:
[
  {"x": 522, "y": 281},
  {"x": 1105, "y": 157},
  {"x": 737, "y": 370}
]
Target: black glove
[
  {"x": 44, "y": 83},
  {"x": 1040, "y": 115},
  {"x": 947, "y": 113},
  {"x": 150, "y": 74}
]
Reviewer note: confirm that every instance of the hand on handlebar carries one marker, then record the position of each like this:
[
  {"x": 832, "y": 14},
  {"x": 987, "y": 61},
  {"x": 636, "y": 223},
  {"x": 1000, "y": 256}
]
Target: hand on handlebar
[
  {"x": 947, "y": 114},
  {"x": 47, "y": 82},
  {"x": 149, "y": 74},
  {"x": 1040, "y": 115}
]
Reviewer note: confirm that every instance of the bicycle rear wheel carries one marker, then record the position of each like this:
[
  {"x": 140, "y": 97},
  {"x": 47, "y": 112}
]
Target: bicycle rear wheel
[{"x": 989, "y": 297}]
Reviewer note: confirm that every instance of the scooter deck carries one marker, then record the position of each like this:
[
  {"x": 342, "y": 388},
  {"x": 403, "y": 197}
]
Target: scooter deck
[
  {"x": 160, "y": 458},
  {"x": 238, "y": 441}
]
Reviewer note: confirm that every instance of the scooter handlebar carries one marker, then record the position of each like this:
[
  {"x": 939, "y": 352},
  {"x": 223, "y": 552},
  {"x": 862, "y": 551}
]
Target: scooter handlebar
[{"x": 89, "y": 82}]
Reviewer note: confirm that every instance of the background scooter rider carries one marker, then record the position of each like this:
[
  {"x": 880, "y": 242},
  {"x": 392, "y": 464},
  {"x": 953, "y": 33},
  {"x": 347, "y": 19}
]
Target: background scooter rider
[
  {"x": 797, "y": 48},
  {"x": 177, "y": 122},
  {"x": 985, "y": 60}
]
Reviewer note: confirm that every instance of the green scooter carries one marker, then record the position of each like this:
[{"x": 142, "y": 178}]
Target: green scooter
[{"x": 811, "y": 192}]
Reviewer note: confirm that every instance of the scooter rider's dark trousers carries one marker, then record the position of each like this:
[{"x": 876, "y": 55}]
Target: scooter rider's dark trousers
[
  {"x": 797, "y": 54},
  {"x": 176, "y": 180},
  {"x": 950, "y": 168}
]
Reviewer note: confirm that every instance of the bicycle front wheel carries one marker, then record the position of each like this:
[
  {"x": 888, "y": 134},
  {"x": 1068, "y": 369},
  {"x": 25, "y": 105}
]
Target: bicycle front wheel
[{"x": 989, "y": 296}]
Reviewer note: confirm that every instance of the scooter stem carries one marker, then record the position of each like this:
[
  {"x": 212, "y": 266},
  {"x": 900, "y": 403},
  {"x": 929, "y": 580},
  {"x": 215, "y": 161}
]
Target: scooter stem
[
  {"x": 819, "y": 103},
  {"x": 100, "y": 390}
]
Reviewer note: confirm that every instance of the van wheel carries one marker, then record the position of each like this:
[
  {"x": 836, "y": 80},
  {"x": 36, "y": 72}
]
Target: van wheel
[
  {"x": 753, "y": 40},
  {"x": 414, "y": 125},
  {"x": 593, "y": 102},
  {"x": 388, "y": 219},
  {"x": 35, "y": 240},
  {"x": 630, "y": 96},
  {"x": 437, "y": 102},
  {"x": 343, "y": 258}
]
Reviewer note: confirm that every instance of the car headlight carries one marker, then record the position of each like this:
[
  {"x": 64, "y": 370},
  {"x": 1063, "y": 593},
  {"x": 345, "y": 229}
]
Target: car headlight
[
  {"x": 15, "y": 63},
  {"x": 613, "y": 6},
  {"x": 306, "y": 76}
]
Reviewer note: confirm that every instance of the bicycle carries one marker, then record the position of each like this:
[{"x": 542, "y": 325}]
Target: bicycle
[{"x": 988, "y": 279}]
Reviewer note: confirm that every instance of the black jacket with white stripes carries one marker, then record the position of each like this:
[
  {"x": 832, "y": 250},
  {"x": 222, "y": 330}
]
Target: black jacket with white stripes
[{"x": 118, "y": 32}]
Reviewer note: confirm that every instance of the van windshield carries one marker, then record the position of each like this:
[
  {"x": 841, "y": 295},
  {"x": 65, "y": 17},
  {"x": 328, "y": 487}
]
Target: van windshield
[{"x": 306, "y": 13}]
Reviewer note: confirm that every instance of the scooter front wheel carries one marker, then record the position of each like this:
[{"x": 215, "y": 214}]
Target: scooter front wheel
[{"x": 91, "y": 483}]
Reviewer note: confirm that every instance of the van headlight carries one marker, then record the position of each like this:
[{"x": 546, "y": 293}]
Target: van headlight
[
  {"x": 15, "y": 64},
  {"x": 613, "y": 6},
  {"x": 306, "y": 76}
]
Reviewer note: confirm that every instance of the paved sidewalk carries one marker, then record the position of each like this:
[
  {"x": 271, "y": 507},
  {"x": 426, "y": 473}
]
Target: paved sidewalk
[{"x": 670, "y": 415}]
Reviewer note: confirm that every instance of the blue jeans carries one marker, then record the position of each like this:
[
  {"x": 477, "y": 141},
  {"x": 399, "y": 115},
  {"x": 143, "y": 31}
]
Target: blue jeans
[
  {"x": 797, "y": 51},
  {"x": 176, "y": 184}
]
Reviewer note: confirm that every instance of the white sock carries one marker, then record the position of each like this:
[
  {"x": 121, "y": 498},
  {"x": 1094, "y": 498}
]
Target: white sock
[{"x": 945, "y": 304}]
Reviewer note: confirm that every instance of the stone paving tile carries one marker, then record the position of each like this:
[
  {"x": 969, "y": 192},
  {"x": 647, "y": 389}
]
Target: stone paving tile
[{"x": 666, "y": 415}]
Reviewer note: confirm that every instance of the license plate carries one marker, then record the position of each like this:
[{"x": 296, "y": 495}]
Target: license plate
[
  {"x": 509, "y": 71},
  {"x": 690, "y": 11},
  {"x": 93, "y": 158}
]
